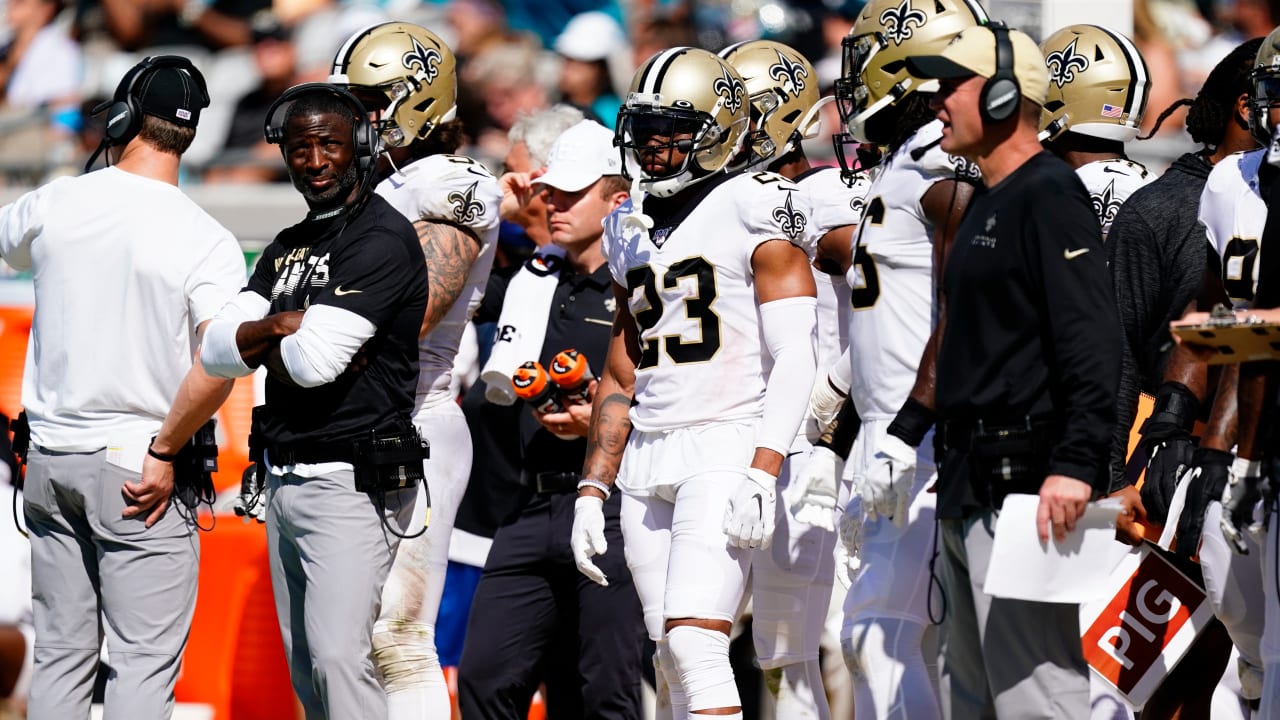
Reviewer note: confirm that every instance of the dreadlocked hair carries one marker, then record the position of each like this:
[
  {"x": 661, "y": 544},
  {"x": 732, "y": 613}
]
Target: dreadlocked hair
[
  {"x": 915, "y": 114},
  {"x": 445, "y": 139},
  {"x": 1214, "y": 105}
]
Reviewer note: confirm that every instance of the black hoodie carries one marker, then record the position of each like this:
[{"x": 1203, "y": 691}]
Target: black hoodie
[{"x": 1156, "y": 251}]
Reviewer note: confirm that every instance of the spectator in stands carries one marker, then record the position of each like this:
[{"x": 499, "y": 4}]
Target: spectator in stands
[
  {"x": 41, "y": 65},
  {"x": 211, "y": 24},
  {"x": 506, "y": 82},
  {"x": 246, "y": 157},
  {"x": 588, "y": 46}
]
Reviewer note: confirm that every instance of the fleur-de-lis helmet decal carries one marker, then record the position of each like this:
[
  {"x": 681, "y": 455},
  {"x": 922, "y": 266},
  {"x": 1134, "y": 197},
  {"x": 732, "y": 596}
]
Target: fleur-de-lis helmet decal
[
  {"x": 1098, "y": 84},
  {"x": 901, "y": 21},
  {"x": 731, "y": 90},
  {"x": 408, "y": 65}
]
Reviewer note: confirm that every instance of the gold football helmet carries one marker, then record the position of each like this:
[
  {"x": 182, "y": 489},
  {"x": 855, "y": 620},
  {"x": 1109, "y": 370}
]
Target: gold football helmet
[
  {"x": 1264, "y": 87},
  {"x": 404, "y": 71},
  {"x": 682, "y": 92},
  {"x": 783, "y": 89},
  {"x": 874, "y": 73},
  {"x": 1098, "y": 84}
]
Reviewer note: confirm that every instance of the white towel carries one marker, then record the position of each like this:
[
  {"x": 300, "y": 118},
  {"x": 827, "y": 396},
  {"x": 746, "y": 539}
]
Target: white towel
[{"x": 522, "y": 326}]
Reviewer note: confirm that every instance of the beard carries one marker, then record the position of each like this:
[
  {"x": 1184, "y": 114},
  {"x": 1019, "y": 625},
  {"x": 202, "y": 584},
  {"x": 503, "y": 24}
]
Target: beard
[{"x": 332, "y": 197}]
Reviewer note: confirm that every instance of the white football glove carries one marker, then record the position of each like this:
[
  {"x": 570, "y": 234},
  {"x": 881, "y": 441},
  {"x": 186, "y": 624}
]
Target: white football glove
[
  {"x": 811, "y": 496},
  {"x": 825, "y": 401},
  {"x": 252, "y": 501},
  {"x": 886, "y": 487},
  {"x": 748, "y": 518},
  {"x": 849, "y": 549},
  {"x": 587, "y": 537}
]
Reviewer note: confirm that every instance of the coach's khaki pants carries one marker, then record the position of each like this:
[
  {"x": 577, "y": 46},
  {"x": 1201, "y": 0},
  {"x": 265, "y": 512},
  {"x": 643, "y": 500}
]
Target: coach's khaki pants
[{"x": 89, "y": 564}]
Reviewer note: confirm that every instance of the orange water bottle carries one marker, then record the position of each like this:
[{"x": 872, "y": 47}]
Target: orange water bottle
[
  {"x": 572, "y": 375},
  {"x": 534, "y": 386}
]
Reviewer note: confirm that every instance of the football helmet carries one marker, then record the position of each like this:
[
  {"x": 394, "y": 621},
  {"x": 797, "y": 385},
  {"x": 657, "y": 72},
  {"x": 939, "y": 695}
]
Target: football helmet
[
  {"x": 681, "y": 92},
  {"x": 874, "y": 73},
  {"x": 783, "y": 90},
  {"x": 404, "y": 71},
  {"x": 1098, "y": 84},
  {"x": 1264, "y": 87}
]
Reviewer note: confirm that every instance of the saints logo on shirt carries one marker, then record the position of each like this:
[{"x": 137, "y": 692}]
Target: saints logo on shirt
[
  {"x": 1106, "y": 204},
  {"x": 900, "y": 22},
  {"x": 790, "y": 220},
  {"x": 465, "y": 206}
]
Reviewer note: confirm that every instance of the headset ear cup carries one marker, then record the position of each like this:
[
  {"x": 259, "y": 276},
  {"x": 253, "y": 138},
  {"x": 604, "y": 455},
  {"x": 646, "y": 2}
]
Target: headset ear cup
[
  {"x": 121, "y": 119},
  {"x": 1000, "y": 98}
]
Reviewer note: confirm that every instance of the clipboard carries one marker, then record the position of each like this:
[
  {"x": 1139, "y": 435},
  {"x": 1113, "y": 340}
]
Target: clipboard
[{"x": 1234, "y": 341}]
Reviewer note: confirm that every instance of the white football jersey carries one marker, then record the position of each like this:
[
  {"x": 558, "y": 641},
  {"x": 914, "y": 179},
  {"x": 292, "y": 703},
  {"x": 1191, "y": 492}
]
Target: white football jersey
[
  {"x": 1233, "y": 214},
  {"x": 457, "y": 190},
  {"x": 831, "y": 204},
  {"x": 1110, "y": 183},
  {"x": 892, "y": 273},
  {"x": 692, "y": 294}
]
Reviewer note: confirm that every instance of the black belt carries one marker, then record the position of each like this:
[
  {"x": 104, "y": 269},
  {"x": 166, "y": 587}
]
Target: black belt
[
  {"x": 311, "y": 453},
  {"x": 550, "y": 483},
  {"x": 960, "y": 434}
]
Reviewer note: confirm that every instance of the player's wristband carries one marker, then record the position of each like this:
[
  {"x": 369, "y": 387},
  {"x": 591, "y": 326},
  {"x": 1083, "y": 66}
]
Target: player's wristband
[
  {"x": 161, "y": 456},
  {"x": 1175, "y": 405},
  {"x": 1244, "y": 467},
  {"x": 912, "y": 422},
  {"x": 596, "y": 484}
]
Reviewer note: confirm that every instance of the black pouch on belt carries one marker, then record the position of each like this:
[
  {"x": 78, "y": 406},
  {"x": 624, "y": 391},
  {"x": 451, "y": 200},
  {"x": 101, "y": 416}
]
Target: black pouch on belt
[
  {"x": 21, "y": 436},
  {"x": 195, "y": 464},
  {"x": 1009, "y": 459},
  {"x": 389, "y": 460}
]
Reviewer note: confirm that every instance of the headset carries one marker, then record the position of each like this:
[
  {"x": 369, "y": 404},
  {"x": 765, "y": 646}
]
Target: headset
[
  {"x": 365, "y": 139},
  {"x": 124, "y": 111},
  {"x": 1001, "y": 94},
  {"x": 124, "y": 115}
]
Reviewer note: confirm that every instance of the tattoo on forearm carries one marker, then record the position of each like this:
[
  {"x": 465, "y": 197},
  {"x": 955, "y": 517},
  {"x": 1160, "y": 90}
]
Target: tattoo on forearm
[
  {"x": 450, "y": 250},
  {"x": 608, "y": 438}
]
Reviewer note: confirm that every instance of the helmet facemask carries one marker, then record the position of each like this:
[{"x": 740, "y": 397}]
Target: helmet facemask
[{"x": 647, "y": 129}]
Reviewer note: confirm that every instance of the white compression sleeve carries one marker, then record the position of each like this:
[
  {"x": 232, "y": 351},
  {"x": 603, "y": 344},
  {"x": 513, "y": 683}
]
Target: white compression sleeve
[
  {"x": 325, "y": 342},
  {"x": 219, "y": 353},
  {"x": 788, "y": 328}
]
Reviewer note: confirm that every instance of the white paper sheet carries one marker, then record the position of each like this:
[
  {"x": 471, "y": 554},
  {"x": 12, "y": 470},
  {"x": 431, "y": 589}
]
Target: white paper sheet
[{"x": 1073, "y": 571}]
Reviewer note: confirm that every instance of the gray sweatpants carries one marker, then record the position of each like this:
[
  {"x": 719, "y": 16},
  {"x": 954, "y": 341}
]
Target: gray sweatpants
[
  {"x": 330, "y": 555},
  {"x": 1001, "y": 658},
  {"x": 88, "y": 563}
]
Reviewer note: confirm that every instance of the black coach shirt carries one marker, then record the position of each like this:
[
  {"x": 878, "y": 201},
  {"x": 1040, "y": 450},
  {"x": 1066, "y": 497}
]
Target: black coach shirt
[
  {"x": 372, "y": 265},
  {"x": 1031, "y": 323}
]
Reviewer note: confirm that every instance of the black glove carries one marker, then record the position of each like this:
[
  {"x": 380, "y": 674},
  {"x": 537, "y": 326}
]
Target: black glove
[
  {"x": 1239, "y": 500},
  {"x": 1167, "y": 441},
  {"x": 1208, "y": 478}
]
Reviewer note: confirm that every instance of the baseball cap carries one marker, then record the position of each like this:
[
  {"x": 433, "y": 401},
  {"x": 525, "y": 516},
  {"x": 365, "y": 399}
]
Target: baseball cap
[
  {"x": 973, "y": 52},
  {"x": 172, "y": 94},
  {"x": 580, "y": 156},
  {"x": 590, "y": 36}
]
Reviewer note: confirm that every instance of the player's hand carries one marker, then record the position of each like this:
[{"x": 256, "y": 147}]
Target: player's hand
[
  {"x": 1207, "y": 475},
  {"x": 518, "y": 190},
  {"x": 252, "y": 502},
  {"x": 886, "y": 486},
  {"x": 587, "y": 540},
  {"x": 575, "y": 421},
  {"x": 811, "y": 496},
  {"x": 1171, "y": 451},
  {"x": 849, "y": 527},
  {"x": 150, "y": 495},
  {"x": 748, "y": 518},
  {"x": 1128, "y": 530},
  {"x": 1062, "y": 502},
  {"x": 1239, "y": 500}
]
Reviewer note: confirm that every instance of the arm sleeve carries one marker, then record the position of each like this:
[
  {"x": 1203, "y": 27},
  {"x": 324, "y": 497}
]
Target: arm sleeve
[
  {"x": 219, "y": 352},
  {"x": 1134, "y": 258},
  {"x": 20, "y": 222},
  {"x": 1083, "y": 332},
  {"x": 325, "y": 342},
  {"x": 788, "y": 329}
]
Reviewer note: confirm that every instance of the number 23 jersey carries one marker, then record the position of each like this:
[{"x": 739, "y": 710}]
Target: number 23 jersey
[{"x": 691, "y": 291}]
